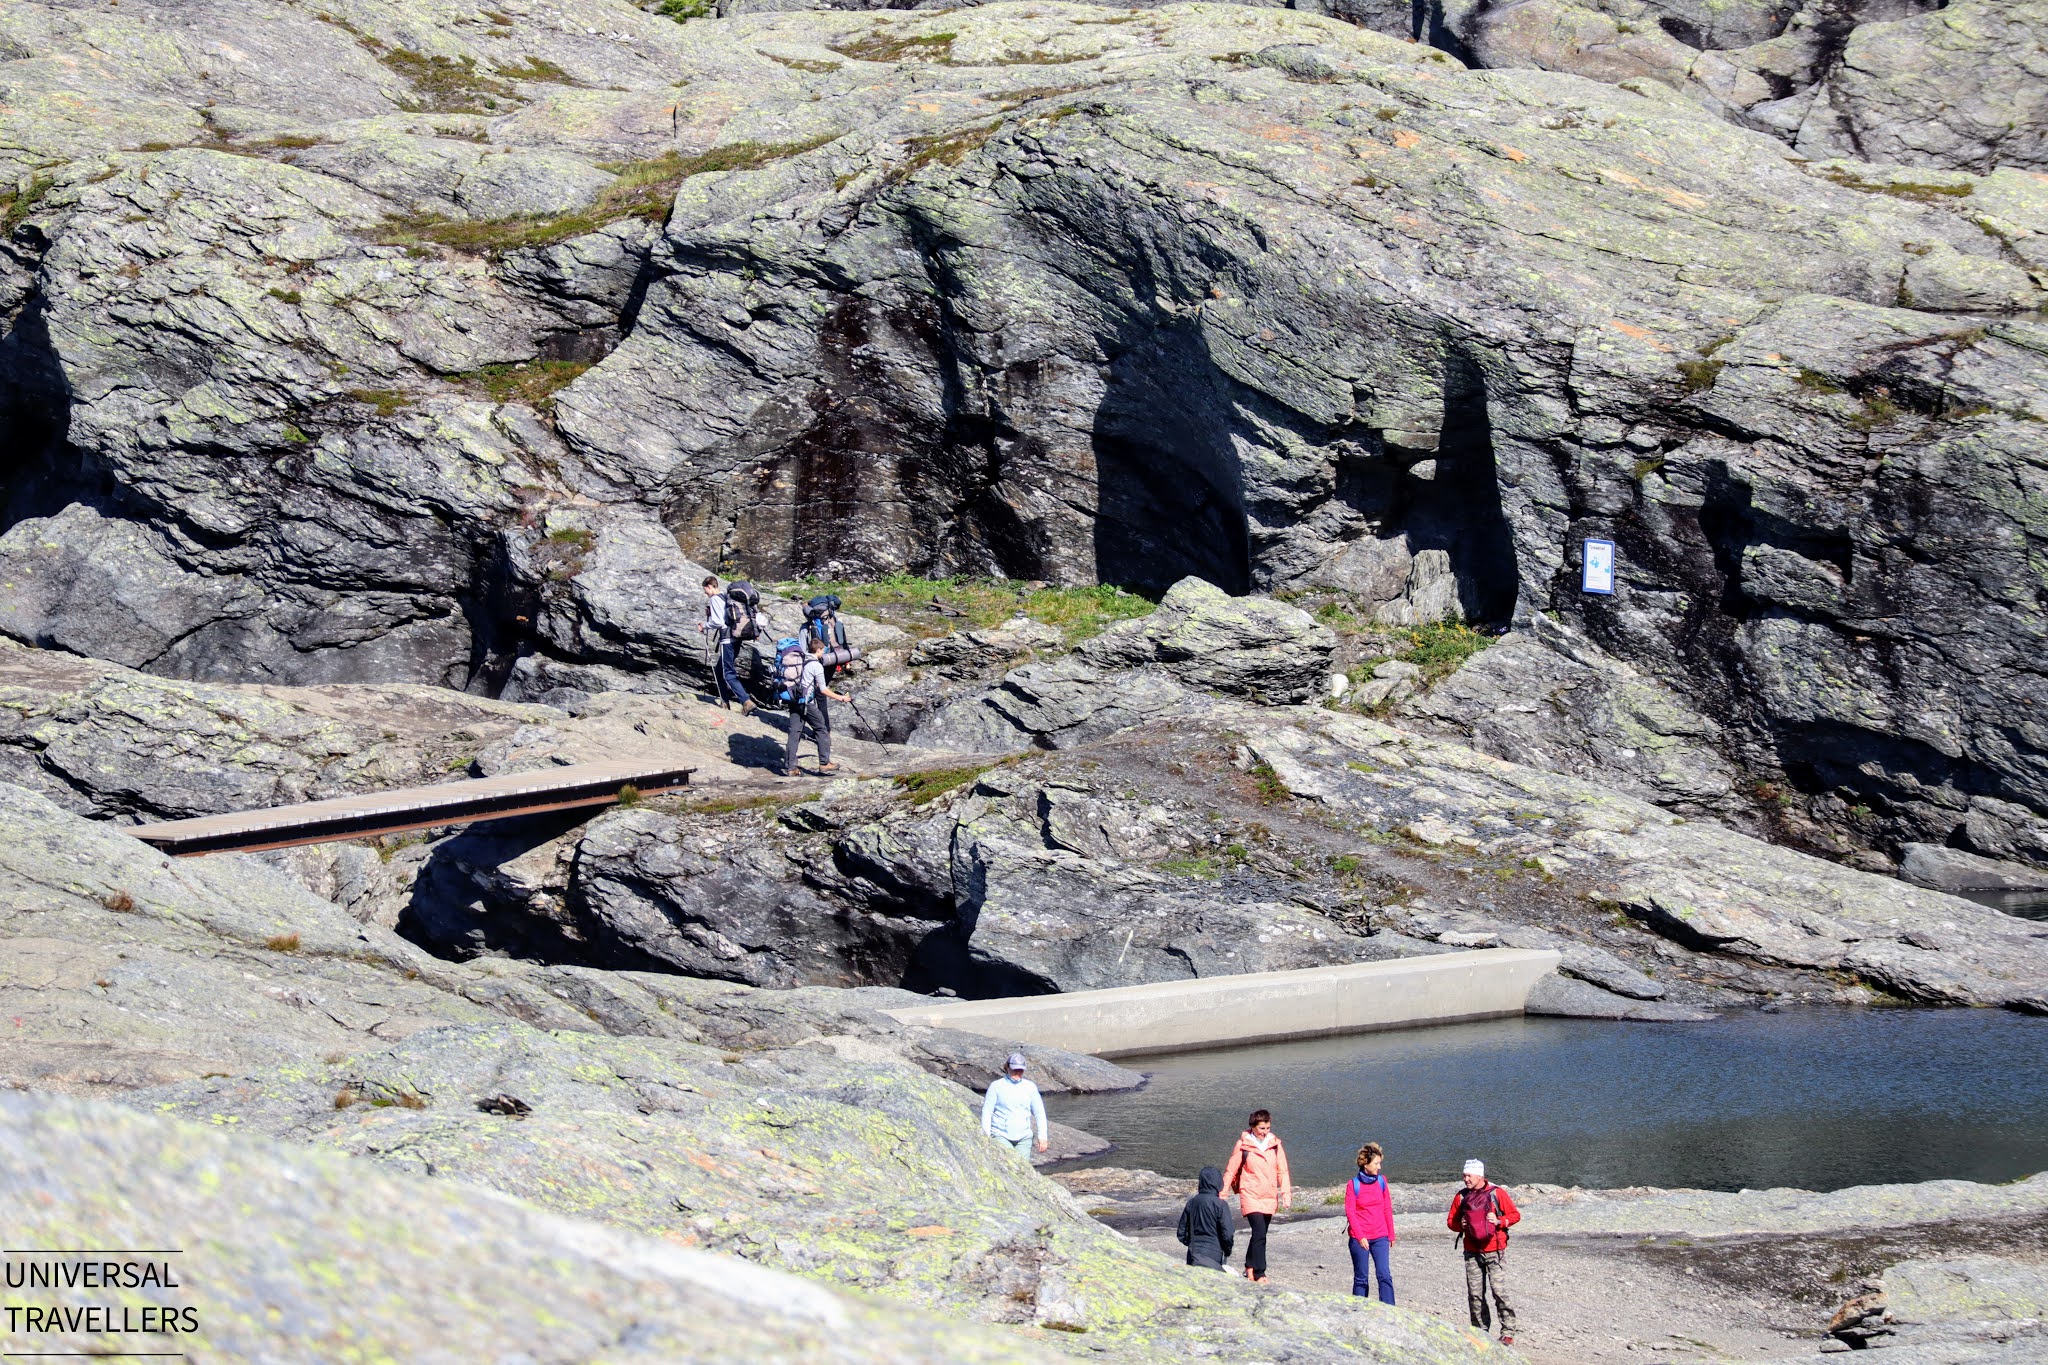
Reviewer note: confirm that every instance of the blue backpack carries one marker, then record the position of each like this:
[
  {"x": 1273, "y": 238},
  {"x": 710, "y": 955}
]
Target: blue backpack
[{"x": 789, "y": 671}]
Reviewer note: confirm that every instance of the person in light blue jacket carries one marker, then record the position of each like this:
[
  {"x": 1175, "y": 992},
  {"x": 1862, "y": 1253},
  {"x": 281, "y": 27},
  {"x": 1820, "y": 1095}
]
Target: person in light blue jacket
[{"x": 1013, "y": 1109}]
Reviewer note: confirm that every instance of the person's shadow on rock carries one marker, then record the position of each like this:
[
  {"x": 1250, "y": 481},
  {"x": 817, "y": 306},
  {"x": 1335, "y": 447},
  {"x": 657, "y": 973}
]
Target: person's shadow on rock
[{"x": 754, "y": 751}]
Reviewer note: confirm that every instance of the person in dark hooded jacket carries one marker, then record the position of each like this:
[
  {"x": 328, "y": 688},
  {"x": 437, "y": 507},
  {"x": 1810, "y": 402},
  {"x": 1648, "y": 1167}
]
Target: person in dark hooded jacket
[{"x": 1205, "y": 1224}]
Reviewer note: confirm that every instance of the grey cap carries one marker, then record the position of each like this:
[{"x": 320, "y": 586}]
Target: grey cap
[{"x": 1016, "y": 1062}]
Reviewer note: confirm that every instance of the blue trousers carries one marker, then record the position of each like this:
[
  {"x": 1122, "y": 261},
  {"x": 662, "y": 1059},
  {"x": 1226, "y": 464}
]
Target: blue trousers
[
  {"x": 1373, "y": 1254},
  {"x": 728, "y": 673}
]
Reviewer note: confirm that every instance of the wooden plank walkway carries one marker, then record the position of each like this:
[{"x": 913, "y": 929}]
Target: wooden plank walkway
[{"x": 391, "y": 812}]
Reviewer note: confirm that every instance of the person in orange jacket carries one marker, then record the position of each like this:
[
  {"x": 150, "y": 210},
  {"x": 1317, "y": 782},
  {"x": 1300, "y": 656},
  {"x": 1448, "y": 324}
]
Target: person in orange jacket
[
  {"x": 1481, "y": 1214},
  {"x": 1258, "y": 1175}
]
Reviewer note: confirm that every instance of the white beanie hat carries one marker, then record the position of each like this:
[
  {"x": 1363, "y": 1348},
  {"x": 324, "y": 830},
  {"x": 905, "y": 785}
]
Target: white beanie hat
[{"x": 1476, "y": 1167}]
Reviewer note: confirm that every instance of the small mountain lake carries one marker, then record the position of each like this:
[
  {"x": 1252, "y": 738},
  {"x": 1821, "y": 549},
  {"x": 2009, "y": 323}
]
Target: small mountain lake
[
  {"x": 2024, "y": 904},
  {"x": 1812, "y": 1098}
]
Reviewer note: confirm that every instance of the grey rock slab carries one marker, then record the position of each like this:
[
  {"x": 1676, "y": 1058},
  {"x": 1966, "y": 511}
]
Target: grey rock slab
[
  {"x": 104, "y": 586},
  {"x": 1698, "y": 882},
  {"x": 1951, "y": 869},
  {"x": 1961, "y": 88},
  {"x": 1251, "y": 647},
  {"x": 800, "y": 1160},
  {"x": 1975, "y": 1289},
  {"x": 973, "y": 653},
  {"x": 260, "y": 1226},
  {"x": 723, "y": 903},
  {"x": 1063, "y": 922},
  {"x": 107, "y": 740},
  {"x": 1578, "y": 999},
  {"x": 1548, "y": 697},
  {"x": 1058, "y": 704}
]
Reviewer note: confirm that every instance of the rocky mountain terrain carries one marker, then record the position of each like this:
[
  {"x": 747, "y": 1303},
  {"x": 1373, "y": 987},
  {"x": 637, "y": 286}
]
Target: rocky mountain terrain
[
  {"x": 797, "y": 1131},
  {"x": 407, "y": 342},
  {"x": 1231, "y": 832},
  {"x": 379, "y": 377}
]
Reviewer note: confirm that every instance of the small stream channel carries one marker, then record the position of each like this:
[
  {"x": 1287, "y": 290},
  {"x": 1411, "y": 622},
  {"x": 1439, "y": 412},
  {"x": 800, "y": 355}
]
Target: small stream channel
[{"x": 1816, "y": 1099}]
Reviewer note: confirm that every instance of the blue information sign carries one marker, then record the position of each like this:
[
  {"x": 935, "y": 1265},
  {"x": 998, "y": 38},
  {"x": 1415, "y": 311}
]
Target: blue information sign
[{"x": 1598, "y": 572}]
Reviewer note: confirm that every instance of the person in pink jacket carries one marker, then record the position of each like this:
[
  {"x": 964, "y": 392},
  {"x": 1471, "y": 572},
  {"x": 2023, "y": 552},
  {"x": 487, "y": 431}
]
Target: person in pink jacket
[
  {"x": 1369, "y": 1216},
  {"x": 1258, "y": 1175}
]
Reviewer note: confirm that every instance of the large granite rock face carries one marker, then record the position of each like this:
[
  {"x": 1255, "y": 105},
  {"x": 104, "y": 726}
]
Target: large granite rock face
[
  {"x": 278, "y": 1261},
  {"x": 1548, "y": 698},
  {"x": 296, "y": 346},
  {"x": 1908, "y": 82}
]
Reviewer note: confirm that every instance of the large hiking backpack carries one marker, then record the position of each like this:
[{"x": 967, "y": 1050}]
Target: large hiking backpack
[
  {"x": 789, "y": 671},
  {"x": 743, "y": 611},
  {"x": 1479, "y": 1218},
  {"x": 821, "y": 621}
]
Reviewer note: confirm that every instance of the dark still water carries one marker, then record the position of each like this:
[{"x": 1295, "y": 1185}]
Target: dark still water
[
  {"x": 2024, "y": 904},
  {"x": 1816, "y": 1099}
]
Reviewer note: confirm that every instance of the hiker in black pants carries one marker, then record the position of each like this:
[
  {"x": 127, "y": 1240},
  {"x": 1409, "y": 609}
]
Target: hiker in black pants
[{"x": 807, "y": 702}]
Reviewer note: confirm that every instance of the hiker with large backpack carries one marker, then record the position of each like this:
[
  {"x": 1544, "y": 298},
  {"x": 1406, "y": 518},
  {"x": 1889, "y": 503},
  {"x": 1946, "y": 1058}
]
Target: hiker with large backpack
[
  {"x": 1481, "y": 1215},
  {"x": 1369, "y": 1219},
  {"x": 801, "y": 686},
  {"x": 1258, "y": 1176},
  {"x": 730, "y": 617},
  {"x": 822, "y": 623}
]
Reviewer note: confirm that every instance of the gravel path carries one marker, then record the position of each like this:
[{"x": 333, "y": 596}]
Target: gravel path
[{"x": 1578, "y": 1300}]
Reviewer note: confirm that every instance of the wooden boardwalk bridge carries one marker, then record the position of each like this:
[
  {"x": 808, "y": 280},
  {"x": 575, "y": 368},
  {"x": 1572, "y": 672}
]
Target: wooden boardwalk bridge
[{"x": 391, "y": 812}]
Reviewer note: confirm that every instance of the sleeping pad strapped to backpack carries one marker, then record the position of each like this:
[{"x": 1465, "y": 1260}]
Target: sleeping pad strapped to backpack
[{"x": 821, "y": 618}]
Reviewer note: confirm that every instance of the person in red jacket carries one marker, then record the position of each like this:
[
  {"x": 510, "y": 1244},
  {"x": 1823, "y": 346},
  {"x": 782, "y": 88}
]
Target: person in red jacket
[
  {"x": 1369, "y": 1217},
  {"x": 1258, "y": 1175},
  {"x": 1481, "y": 1214}
]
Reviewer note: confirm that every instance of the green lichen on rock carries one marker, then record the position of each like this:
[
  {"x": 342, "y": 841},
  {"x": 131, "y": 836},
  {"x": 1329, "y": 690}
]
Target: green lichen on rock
[{"x": 277, "y": 1256}]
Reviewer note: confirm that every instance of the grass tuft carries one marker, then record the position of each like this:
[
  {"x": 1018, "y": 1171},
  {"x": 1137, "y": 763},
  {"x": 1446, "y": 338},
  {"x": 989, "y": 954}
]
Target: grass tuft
[
  {"x": 385, "y": 401},
  {"x": 282, "y": 943},
  {"x": 906, "y": 600},
  {"x": 948, "y": 149},
  {"x": 534, "y": 383},
  {"x": 1439, "y": 649},
  {"x": 445, "y": 85},
  {"x": 1267, "y": 784},
  {"x": 643, "y": 189},
  {"x": 1697, "y": 376},
  {"x": 16, "y": 206},
  {"x": 536, "y": 69},
  {"x": 884, "y": 47},
  {"x": 929, "y": 783},
  {"x": 1920, "y": 192}
]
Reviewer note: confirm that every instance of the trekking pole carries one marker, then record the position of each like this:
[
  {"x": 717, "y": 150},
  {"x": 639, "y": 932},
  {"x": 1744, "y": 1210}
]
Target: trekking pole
[{"x": 717, "y": 675}]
